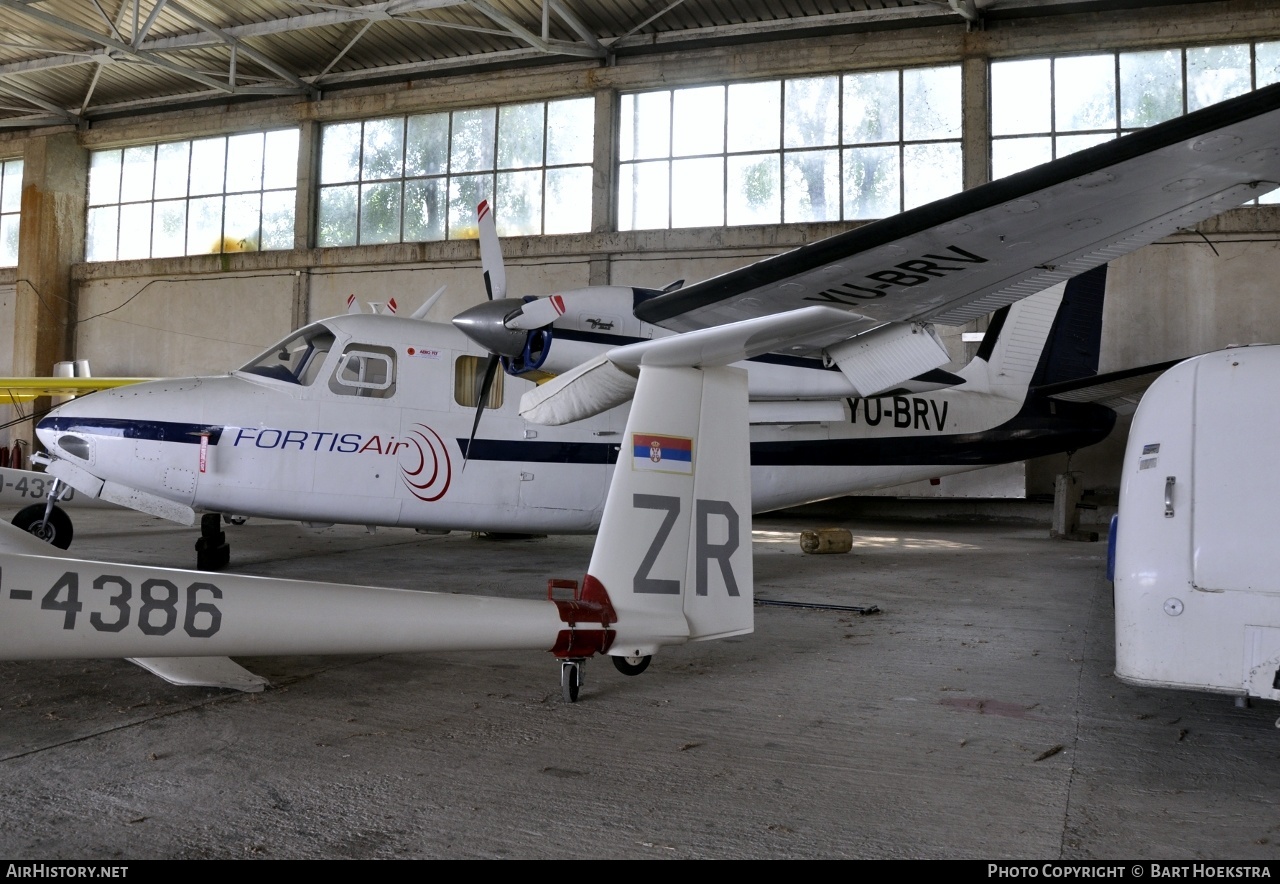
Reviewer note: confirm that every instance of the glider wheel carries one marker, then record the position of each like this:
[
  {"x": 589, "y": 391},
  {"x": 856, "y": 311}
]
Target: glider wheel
[
  {"x": 57, "y": 530},
  {"x": 632, "y": 665}
]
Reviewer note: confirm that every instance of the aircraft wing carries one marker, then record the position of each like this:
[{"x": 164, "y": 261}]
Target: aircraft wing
[
  {"x": 26, "y": 389},
  {"x": 964, "y": 256}
]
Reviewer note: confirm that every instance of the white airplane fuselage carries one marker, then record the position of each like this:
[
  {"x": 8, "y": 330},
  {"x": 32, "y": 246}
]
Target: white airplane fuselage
[{"x": 390, "y": 452}]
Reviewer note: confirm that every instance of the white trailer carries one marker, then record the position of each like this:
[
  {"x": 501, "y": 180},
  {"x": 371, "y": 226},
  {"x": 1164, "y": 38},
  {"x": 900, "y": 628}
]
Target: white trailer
[{"x": 1197, "y": 542}]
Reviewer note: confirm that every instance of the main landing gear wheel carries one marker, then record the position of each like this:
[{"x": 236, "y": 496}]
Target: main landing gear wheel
[
  {"x": 56, "y": 529},
  {"x": 571, "y": 679},
  {"x": 212, "y": 552},
  {"x": 631, "y": 665}
]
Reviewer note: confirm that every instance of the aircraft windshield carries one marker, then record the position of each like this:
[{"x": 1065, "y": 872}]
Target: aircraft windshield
[{"x": 296, "y": 359}]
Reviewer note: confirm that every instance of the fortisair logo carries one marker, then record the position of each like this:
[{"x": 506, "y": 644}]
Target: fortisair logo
[
  {"x": 664, "y": 454},
  {"x": 425, "y": 466}
]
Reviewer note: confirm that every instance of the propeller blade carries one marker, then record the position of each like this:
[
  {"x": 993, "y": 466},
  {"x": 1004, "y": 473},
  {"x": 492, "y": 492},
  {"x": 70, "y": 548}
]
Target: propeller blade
[
  {"x": 495, "y": 273},
  {"x": 482, "y": 395},
  {"x": 536, "y": 314}
]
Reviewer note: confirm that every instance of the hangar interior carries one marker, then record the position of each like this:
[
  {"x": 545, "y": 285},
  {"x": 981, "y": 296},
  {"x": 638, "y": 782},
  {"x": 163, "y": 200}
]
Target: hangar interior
[{"x": 186, "y": 182}]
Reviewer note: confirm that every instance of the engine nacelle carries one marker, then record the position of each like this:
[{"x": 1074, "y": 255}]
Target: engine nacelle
[{"x": 537, "y": 344}]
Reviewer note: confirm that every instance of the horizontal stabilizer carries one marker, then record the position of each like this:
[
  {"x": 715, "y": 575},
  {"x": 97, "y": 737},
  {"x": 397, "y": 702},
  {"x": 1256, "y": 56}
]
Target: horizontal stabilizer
[{"x": 1118, "y": 390}]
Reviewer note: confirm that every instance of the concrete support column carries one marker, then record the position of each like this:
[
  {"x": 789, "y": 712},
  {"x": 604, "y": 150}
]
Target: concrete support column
[
  {"x": 304, "y": 201},
  {"x": 304, "y": 215},
  {"x": 976, "y": 135},
  {"x": 50, "y": 241},
  {"x": 976, "y": 120},
  {"x": 603, "y": 178}
]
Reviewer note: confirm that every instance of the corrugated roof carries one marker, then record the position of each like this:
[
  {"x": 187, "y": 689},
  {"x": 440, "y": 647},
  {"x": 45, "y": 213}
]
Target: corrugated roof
[{"x": 64, "y": 61}]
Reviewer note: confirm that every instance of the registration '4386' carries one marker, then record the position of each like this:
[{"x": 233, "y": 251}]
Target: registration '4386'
[{"x": 155, "y": 605}]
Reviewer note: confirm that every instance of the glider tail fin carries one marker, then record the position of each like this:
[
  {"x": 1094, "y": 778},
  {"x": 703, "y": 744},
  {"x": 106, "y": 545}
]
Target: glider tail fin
[
  {"x": 1052, "y": 336},
  {"x": 674, "y": 547}
]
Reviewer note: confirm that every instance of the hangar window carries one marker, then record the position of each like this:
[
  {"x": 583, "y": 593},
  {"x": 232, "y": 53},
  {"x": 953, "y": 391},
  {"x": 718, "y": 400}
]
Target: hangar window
[
  {"x": 1045, "y": 108},
  {"x": 203, "y": 196},
  {"x": 416, "y": 178},
  {"x": 10, "y": 211},
  {"x": 829, "y": 148}
]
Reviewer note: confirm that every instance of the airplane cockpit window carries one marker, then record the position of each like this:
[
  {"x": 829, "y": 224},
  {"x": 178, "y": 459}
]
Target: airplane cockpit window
[
  {"x": 365, "y": 370},
  {"x": 296, "y": 360}
]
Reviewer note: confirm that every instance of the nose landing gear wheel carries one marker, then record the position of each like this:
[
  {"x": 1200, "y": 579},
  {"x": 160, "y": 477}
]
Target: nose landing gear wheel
[
  {"x": 631, "y": 665},
  {"x": 55, "y": 530},
  {"x": 571, "y": 679}
]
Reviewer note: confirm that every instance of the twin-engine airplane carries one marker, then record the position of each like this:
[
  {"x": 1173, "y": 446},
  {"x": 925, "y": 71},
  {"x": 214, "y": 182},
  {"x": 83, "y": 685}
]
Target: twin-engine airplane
[
  {"x": 671, "y": 564},
  {"x": 367, "y": 419}
]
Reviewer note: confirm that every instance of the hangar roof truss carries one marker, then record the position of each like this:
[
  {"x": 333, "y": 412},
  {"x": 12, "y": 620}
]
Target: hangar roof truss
[{"x": 74, "y": 61}]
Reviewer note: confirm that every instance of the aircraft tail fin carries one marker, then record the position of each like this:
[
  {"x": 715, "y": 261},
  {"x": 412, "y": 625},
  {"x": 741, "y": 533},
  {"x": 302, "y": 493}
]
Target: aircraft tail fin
[
  {"x": 1075, "y": 342},
  {"x": 421, "y": 312},
  {"x": 1052, "y": 336},
  {"x": 674, "y": 547}
]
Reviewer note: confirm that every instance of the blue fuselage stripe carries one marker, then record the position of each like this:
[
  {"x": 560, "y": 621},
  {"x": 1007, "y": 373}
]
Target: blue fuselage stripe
[
  {"x": 157, "y": 431},
  {"x": 1035, "y": 431}
]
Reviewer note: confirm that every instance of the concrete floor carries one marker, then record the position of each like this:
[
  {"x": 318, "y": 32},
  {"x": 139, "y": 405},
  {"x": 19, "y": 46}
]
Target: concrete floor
[{"x": 976, "y": 716}]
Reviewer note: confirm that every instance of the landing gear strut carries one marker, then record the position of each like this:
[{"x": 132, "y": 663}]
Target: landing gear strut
[
  {"x": 46, "y": 521},
  {"x": 212, "y": 552}
]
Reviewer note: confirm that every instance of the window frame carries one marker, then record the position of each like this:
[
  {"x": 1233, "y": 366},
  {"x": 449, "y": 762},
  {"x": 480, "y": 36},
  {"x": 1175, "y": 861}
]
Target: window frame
[
  {"x": 842, "y": 147},
  {"x": 457, "y": 212},
  {"x": 194, "y": 198},
  {"x": 364, "y": 354},
  {"x": 1054, "y": 134},
  {"x": 11, "y": 217}
]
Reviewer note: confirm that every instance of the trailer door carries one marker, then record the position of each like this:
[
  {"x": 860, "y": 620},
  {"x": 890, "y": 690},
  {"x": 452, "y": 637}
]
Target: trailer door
[{"x": 1235, "y": 472}]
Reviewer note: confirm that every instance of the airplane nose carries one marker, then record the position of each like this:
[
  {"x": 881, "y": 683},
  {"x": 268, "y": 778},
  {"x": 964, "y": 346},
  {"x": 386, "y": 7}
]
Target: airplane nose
[
  {"x": 486, "y": 325},
  {"x": 53, "y": 427},
  {"x": 45, "y": 433},
  {"x": 47, "y": 429}
]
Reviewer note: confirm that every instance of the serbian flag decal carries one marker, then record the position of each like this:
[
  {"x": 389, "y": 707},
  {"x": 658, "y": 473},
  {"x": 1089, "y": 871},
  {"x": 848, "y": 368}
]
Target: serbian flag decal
[{"x": 665, "y": 454}]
